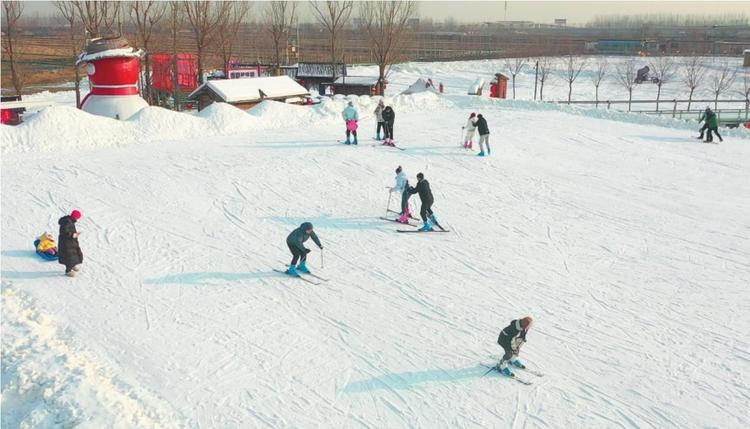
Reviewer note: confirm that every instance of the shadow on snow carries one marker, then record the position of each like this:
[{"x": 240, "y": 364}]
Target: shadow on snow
[{"x": 407, "y": 380}]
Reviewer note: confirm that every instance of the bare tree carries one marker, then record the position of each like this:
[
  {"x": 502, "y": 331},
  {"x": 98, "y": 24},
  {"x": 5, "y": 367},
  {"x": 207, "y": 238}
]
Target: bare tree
[
  {"x": 12, "y": 11},
  {"x": 626, "y": 74},
  {"x": 68, "y": 12},
  {"x": 333, "y": 16},
  {"x": 745, "y": 91},
  {"x": 99, "y": 17},
  {"x": 146, "y": 15},
  {"x": 573, "y": 68},
  {"x": 514, "y": 66},
  {"x": 278, "y": 18},
  {"x": 228, "y": 31},
  {"x": 204, "y": 17},
  {"x": 175, "y": 19},
  {"x": 695, "y": 72},
  {"x": 722, "y": 81},
  {"x": 600, "y": 71},
  {"x": 545, "y": 67},
  {"x": 385, "y": 25},
  {"x": 665, "y": 69}
]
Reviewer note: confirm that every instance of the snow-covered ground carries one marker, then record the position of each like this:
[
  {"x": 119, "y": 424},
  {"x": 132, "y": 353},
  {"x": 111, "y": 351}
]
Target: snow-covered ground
[{"x": 627, "y": 240}]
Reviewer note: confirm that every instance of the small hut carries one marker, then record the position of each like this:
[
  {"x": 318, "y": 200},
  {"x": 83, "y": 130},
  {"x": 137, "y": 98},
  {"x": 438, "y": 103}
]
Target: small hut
[
  {"x": 246, "y": 93},
  {"x": 356, "y": 85}
]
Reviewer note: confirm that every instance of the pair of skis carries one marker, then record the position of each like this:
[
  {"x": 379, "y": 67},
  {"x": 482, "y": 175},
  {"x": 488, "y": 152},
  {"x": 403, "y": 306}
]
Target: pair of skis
[
  {"x": 303, "y": 277},
  {"x": 415, "y": 226},
  {"x": 521, "y": 380}
]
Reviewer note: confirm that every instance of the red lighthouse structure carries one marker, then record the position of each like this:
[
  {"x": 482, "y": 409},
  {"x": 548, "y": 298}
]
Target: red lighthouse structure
[{"x": 113, "y": 68}]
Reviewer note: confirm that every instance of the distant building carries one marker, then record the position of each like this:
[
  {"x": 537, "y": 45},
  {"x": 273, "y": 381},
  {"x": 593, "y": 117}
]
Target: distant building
[
  {"x": 356, "y": 85},
  {"x": 315, "y": 75},
  {"x": 561, "y": 22}
]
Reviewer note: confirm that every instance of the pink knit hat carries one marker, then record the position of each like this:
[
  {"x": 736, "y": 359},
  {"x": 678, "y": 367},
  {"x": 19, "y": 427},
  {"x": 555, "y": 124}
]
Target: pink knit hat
[{"x": 75, "y": 214}]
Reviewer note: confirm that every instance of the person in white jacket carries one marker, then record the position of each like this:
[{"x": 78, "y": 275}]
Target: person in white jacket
[
  {"x": 402, "y": 188},
  {"x": 470, "y": 127}
]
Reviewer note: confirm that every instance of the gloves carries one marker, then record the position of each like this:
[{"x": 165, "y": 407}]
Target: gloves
[
  {"x": 321, "y": 247},
  {"x": 307, "y": 251}
]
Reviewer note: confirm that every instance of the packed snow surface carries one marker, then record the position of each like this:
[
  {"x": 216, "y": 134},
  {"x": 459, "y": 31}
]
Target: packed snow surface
[{"x": 625, "y": 238}]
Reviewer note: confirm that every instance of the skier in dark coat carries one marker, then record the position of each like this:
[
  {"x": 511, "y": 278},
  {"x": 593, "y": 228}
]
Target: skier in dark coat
[
  {"x": 484, "y": 135},
  {"x": 704, "y": 118},
  {"x": 511, "y": 339},
  {"x": 425, "y": 195},
  {"x": 295, "y": 240},
  {"x": 713, "y": 127},
  {"x": 389, "y": 116},
  {"x": 68, "y": 250}
]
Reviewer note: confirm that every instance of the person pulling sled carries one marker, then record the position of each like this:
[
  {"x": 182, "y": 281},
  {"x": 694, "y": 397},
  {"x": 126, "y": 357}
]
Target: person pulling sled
[
  {"x": 295, "y": 240},
  {"x": 68, "y": 249}
]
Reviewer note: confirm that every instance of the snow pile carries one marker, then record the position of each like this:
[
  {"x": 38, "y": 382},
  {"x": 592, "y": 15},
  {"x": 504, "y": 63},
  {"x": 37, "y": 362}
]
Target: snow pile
[
  {"x": 157, "y": 123},
  {"x": 419, "y": 87},
  {"x": 47, "y": 382},
  {"x": 227, "y": 119}
]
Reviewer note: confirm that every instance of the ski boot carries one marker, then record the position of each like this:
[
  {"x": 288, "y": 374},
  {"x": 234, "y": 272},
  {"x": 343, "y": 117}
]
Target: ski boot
[
  {"x": 355, "y": 140},
  {"x": 347, "y": 141},
  {"x": 377, "y": 137},
  {"x": 480, "y": 154},
  {"x": 426, "y": 227},
  {"x": 489, "y": 151},
  {"x": 518, "y": 364},
  {"x": 70, "y": 273},
  {"x": 433, "y": 219},
  {"x": 403, "y": 219},
  {"x": 507, "y": 372},
  {"x": 471, "y": 143},
  {"x": 77, "y": 267},
  {"x": 302, "y": 268},
  {"x": 292, "y": 271}
]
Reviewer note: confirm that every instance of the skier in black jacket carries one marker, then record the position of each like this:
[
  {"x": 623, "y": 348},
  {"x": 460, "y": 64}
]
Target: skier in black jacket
[
  {"x": 389, "y": 116},
  {"x": 511, "y": 339},
  {"x": 425, "y": 194},
  {"x": 68, "y": 250},
  {"x": 484, "y": 135},
  {"x": 295, "y": 242}
]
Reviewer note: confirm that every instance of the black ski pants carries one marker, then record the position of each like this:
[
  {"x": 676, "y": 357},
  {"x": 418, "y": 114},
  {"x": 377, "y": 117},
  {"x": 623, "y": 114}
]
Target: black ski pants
[
  {"x": 710, "y": 137},
  {"x": 297, "y": 253},
  {"x": 703, "y": 129},
  {"x": 389, "y": 130},
  {"x": 381, "y": 126},
  {"x": 507, "y": 348},
  {"x": 404, "y": 201},
  {"x": 426, "y": 210}
]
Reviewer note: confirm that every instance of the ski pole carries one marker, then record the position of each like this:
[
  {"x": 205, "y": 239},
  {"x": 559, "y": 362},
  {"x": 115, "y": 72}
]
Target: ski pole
[
  {"x": 321, "y": 258},
  {"x": 388, "y": 207}
]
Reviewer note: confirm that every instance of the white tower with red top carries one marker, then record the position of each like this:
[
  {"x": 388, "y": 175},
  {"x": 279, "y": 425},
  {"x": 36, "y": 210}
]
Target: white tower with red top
[{"x": 113, "y": 68}]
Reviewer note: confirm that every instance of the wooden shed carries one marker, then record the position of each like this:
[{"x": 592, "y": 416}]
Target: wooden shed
[
  {"x": 246, "y": 93},
  {"x": 356, "y": 85}
]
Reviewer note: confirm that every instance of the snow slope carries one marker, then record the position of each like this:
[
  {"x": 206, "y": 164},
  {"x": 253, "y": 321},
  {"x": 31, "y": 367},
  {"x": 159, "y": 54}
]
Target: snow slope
[{"x": 629, "y": 243}]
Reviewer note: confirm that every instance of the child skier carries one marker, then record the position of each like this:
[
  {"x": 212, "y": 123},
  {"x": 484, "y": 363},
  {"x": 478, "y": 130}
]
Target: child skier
[
  {"x": 425, "y": 195},
  {"x": 389, "y": 116},
  {"x": 295, "y": 242},
  {"x": 402, "y": 189},
  {"x": 69, "y": 251},
  {"x": 46, "y": 244},
  {"x": 379, "y": 118},
  {"x": 511, "y": 339},
  {"x": 351, "y": 117},
  {"x": 484, "y": 135},
  {"x": 470, "y": 128}
]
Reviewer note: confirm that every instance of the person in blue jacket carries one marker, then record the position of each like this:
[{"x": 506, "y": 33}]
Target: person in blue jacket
[
  {"x": 351, "y": 118},
  {"x": 295, "y": 240}
]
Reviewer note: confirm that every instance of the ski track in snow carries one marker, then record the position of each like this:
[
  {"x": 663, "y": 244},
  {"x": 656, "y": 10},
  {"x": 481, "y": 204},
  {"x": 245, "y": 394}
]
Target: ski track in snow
[{"x": 628, "y": 243}]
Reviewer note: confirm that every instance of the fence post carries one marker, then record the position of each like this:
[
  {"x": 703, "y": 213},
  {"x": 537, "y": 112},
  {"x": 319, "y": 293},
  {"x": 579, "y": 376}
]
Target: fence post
[
  {"x": 674, "y": 109},
  {"x": 608, "y": 104}
]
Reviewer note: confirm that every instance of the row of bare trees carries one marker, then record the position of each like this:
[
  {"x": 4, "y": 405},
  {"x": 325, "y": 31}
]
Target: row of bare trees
[
  {"x": 665, "y": 68},
  {"x": 215, "y": 27}
]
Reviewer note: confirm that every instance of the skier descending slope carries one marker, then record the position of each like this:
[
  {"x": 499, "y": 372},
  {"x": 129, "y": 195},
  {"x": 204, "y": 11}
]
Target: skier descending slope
[
  {"x": 511, "y": 339},
  {"x": 425, "y": 195},
  {"x": 295, "y": 242},
  {"x": 402, "y": 189},
  {"x": 351, "y": 117}
]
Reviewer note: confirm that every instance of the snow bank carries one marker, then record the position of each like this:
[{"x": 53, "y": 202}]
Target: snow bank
[
  {"x": 48, "y": 382},
  {"x": 60, "y": 128}
]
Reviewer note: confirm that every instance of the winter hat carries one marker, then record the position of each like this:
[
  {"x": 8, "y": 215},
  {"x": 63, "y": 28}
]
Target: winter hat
[
  {"x": 420, "y": 176},
  {"x": 306, "y": 226},
  {"x": 381, "y": 102},
  {"x": 75, "y": 214},
  {"x": 351, "y": 103},
  {"x": 472, "y": 115},
  {"x": 398, "y": 169},
  {"x": 526, "y": 322}
]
